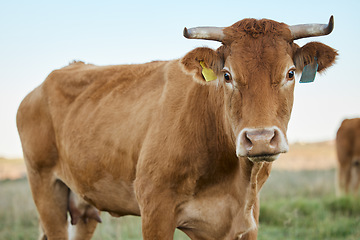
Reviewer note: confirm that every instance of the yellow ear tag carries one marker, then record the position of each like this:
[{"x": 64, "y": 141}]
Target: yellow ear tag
[{"x": 208, "y": 74}]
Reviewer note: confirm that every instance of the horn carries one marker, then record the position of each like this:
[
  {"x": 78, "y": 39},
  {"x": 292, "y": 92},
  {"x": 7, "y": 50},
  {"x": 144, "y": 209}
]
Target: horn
[
  {"x": 311, "y": 30},
  {"x": 207, "y": 33}
]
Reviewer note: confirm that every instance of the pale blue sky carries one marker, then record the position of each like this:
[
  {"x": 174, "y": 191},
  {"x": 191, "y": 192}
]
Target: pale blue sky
[{"x": 39, "y": 36}]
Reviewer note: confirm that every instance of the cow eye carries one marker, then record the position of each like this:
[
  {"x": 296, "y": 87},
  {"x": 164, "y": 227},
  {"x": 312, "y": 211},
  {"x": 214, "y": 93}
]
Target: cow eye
[
  {"x": 227, "y": 77},
  {"x": 290, "y": 75}
]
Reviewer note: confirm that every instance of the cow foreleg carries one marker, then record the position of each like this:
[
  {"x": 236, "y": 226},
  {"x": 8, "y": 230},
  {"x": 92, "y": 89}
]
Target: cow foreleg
[
  {"x": 158, "y": 224},
  {"x": 343, "y": 180},
  {"x": 157, "y": 214},
  {"x": 50, "y": 196}
]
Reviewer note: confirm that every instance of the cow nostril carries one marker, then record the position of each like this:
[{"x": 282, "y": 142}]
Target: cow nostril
[
  {"x": 247, "y": 142},
  {"x": 275, "y": 139},
  {"x": 261, "y": 142},
  {"x": 258, "y": 138}
]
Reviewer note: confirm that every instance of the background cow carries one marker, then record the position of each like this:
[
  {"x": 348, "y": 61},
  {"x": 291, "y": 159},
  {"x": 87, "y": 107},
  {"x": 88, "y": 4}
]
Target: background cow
[
  {"x": 185, "y": 144},
  {"x": 348, "y": 152}
]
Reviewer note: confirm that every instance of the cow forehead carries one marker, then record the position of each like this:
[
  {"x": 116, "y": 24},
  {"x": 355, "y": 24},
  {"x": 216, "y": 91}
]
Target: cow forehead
[
  {"x": 266, "y": 50},
  {"x": 256, "y": 28},
  {"x": 259, "y": 43},
  {"x": 263, "y": 57}
]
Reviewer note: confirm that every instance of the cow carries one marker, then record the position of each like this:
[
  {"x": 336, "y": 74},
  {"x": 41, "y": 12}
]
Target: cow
[
  {"x": 186, "y": 143},
  {"x": 348, "y": 156}
]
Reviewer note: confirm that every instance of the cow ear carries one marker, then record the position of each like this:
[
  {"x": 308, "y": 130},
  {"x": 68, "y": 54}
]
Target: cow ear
[
  {"x": 315, "y": 51},
  {"x": 203, "y": 63}
]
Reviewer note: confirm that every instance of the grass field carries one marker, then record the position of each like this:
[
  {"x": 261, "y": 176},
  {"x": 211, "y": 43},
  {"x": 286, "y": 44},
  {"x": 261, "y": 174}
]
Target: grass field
[
  {"x": 295, "y": 204},
  {"x": 302, "y": 205}
]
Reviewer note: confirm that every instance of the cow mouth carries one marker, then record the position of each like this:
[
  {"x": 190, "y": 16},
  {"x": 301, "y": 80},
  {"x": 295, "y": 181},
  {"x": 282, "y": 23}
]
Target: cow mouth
[{"x": 263, "y": 158}]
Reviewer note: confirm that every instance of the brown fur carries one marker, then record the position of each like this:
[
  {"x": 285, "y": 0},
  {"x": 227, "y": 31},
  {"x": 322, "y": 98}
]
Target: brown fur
[
  {"x": 255, "y": 29},
  {"x": 348, "y": 151},
  {"x": 325, "y": 56},
  {"x": 148, "y": 140}
]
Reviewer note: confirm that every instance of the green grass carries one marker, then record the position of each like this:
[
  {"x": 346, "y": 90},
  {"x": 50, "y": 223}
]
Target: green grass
[
  {"x": 303, "y": 218},
  {"x": 125, "y": 228},
  {"x": 302, "y": 205},
  {"x": 294, "y": 205},
  {"x": 18, "y": 219}
]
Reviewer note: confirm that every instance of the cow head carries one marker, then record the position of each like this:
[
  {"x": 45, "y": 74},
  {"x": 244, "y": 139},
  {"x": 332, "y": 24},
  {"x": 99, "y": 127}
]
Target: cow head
[{"x": 255, "y": 68}]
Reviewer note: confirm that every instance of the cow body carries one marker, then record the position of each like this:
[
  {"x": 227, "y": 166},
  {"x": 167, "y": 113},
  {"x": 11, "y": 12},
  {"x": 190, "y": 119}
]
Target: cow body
[
  {"x": 348, "y": 152},
  {"x": 157, "y": 141}
]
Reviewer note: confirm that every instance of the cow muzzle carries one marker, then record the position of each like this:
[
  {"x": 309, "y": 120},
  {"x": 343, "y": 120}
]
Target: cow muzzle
[{"x": 261, "y": 144}]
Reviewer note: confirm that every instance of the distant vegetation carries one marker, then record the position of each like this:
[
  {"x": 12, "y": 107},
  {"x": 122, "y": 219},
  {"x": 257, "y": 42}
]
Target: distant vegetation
[
  {"x": 294, "y": 205},
  {"x": 12, "y": 168}
]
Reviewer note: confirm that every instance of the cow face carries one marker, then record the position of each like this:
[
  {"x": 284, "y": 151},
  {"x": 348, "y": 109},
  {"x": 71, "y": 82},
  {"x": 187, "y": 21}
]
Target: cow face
[{"x": 255, "y": 71}]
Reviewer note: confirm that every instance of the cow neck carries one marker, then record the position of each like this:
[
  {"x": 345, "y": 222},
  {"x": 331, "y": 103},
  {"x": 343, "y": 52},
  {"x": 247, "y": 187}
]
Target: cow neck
[
  {"x": 217, "y": 108},
  {"x": 254, "y": 174},
  {"x": 247, "y": 215},
  {"x": 222, "y": 131},
  {"x": 253, "y": 187},
  {"x": 252, "y": 177},
  {"x": 204, "y": 103},
  {"x": 247, "y": 171}
]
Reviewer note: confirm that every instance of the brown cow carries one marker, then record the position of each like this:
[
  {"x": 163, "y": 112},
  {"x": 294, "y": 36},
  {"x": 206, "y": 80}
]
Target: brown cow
[
  {"x": 158, "y": 141},
  {"x": 348, "y": 151}
]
